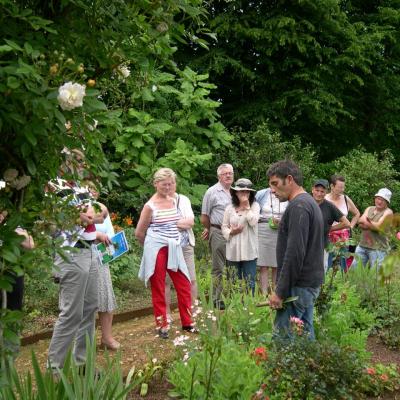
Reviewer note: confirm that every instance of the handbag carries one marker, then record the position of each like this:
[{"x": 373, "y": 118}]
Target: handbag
[{"x": 352, "y": 247}]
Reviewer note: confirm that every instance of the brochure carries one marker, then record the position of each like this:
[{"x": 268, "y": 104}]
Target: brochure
[{"x": 119, "y": 246}]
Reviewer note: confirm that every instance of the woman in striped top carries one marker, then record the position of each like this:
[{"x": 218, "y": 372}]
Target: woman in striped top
[{"x": 157, "y": 231}]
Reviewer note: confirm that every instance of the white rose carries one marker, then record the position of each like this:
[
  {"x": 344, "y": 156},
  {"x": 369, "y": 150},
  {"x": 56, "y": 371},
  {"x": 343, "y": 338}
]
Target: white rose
[
  {"x": 70, "y": 95},
  {"x": 123, "y": 70},
  {"x": 154, "y": 88}
]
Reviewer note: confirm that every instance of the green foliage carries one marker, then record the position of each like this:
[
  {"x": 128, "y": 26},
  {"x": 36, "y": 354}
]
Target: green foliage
[
  {"x": 140, "y": 110},
  {"x": 72, "y": 382},
  {"x": 313, "y": 370},
  {"x": 244, "y": 322},
  {"x": 380, "y": 378},
  {"x": 263, "y": 146},
  {"x": 345, "y": 322},
  {"x": 126, "y": 267},
  {"x": 365, "y": 174},
  {"x": 323, "y": 70},
  {"x": 222, "y": 371}
]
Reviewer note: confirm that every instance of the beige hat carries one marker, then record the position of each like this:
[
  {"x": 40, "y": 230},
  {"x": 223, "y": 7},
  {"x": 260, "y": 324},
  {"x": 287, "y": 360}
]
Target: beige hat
[
  {"x": 386, "y": 194},
  {"x": 243, "y": 184}
]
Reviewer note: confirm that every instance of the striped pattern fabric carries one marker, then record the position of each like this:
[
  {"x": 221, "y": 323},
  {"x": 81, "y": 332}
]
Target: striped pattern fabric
[{"x": 164, "y": 222}]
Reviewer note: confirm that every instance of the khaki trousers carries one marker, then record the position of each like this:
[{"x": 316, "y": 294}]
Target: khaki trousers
[
  {"x": 78, "y": 306},
  {"x": 218, "y": 256}
]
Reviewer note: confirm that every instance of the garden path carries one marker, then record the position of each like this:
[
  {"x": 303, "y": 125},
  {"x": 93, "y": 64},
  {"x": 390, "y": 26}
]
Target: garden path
[{"x": 139, "y": 345}]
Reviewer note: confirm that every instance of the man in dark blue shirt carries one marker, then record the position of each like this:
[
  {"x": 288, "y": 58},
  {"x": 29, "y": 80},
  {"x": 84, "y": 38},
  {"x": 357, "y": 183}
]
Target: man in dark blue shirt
[
  {"x": 332, "y": 216},
  {"x": 299, "y": 251}
]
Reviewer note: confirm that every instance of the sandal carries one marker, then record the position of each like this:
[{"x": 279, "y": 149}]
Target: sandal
[{"x": 113, "y": 346}]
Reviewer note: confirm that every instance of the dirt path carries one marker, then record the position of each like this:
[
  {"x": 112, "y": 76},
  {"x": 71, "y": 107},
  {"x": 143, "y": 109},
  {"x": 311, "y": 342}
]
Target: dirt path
[{"x": 139, "y": 345}]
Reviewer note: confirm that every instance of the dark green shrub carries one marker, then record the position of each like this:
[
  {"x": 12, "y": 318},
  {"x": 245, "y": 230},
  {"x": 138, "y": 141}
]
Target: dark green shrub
[{"x": 313, "y": 370}]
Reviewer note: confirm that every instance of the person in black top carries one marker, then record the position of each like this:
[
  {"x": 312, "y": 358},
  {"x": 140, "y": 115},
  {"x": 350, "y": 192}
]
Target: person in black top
[
  {"x": 330, "y": 214},
  {"x": 299, "y": 252}
]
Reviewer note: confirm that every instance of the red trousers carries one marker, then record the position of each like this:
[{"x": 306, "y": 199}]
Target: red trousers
[{"x": 182, "y": 287}]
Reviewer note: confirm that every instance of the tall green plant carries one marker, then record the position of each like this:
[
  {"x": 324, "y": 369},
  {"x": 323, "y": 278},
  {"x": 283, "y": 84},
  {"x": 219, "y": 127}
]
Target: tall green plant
[{"x": 73, "y": 382}]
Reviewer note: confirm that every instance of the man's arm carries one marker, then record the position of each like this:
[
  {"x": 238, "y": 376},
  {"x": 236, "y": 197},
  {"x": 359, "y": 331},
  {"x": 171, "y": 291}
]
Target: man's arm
[
  {"x": 205, "y": 221},
  {"x": 363, "y": 221},
  {"x": 205, "y": 215},
  {"x": 378, "y": 225}
]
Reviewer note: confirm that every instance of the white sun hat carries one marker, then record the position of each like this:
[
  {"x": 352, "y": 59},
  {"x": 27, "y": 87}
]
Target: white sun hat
[{"x": 385, "y": 193}]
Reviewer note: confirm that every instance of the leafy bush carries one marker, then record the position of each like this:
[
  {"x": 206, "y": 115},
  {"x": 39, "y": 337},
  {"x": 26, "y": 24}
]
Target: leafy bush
[
  {"x": 365, "y": 174},
  {"x": 346, "y": 323},
  {"x": 313, "y": 370},
  {"x": 126, "y": 267},
  {"x": 263, "y": 147},
  {"x": 380, "y": 378},
  {"x": 221, "y": 371}
]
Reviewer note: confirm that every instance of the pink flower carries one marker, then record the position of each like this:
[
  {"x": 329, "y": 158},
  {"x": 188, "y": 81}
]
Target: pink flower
[
  {"x": 296, "y": 321},
  {"x": 297, "y": 325}
]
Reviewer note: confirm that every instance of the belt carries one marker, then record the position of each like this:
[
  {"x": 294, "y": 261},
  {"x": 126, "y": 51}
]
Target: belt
[
  {"x": 263, "y": 220},
  {"x": 216, "y": 226},
  {"x": 83, "y": 244}
]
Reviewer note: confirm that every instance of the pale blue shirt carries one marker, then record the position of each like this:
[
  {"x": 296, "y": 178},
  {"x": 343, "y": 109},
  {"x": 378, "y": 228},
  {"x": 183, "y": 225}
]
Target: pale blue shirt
[{"x": 215, "y": 202}]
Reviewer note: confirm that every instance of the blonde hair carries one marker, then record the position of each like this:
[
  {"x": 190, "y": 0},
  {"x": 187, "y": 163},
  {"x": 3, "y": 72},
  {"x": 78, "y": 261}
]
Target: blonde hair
[{"x": 163, "y": 173}]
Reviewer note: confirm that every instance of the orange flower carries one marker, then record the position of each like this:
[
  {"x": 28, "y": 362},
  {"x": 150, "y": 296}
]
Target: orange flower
[
  {"x": 114, "y": 216},
  {"x": 128, "y": 221},
  {"x": 117, "y": 228}
]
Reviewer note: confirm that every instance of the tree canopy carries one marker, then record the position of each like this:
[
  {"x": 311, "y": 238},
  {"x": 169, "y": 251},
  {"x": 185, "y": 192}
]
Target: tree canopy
[{"x": 324, "y": 70}]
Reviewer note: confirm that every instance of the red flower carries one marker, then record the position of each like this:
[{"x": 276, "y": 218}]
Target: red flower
[
  {"x": 260, "y": 353},
  {"x": 384, "y": 377},
  {"x": 371, "y": 371}
]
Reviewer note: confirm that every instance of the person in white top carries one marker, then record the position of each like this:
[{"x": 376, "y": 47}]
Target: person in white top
[
  {"x": 271, "y": 211},
  {"x": 185, "y": 225},
  {"x": 239, "y": 228}
]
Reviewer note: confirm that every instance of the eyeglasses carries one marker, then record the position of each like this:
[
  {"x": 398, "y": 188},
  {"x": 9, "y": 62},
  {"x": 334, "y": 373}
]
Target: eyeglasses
[{"x": 227, "y": 174}]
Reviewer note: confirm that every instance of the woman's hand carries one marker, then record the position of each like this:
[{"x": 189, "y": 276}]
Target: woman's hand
[
  {"x": 236, "y": 229},
  {"x": 102, "y": 237}
]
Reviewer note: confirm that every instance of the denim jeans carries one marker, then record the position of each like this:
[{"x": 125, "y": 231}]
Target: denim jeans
[
  {"x": 302, "y": 308},
  {"x": 342, "y": 259},
  {"x": 246, "y": 270},
  {"x": 373, "y": 257}
]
